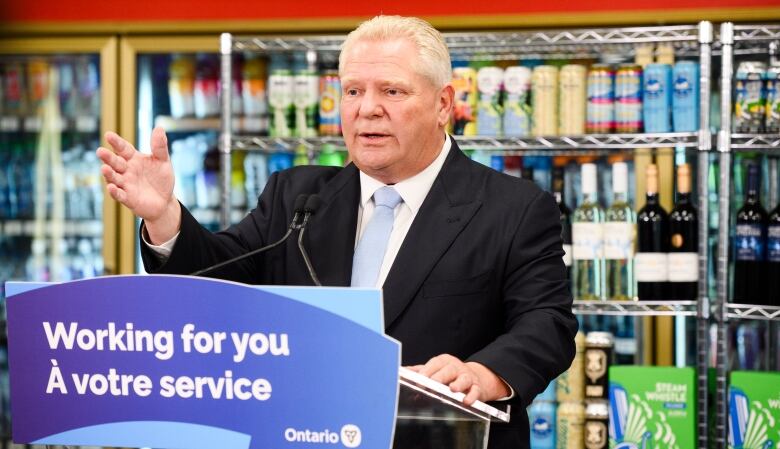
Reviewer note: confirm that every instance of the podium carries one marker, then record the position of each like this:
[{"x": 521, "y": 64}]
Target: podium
[
  {"x": 183, "y": 362},
  {"x": 430, "y": 416}
]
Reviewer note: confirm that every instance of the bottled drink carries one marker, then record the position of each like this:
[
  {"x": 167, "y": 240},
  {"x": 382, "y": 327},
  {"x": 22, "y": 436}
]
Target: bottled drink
[
  {"x": 657, "y": 98},
  {"x": 206, "y": 87},
  {"x": 750, "y": 241},
  {"x": 558, "y": 193},
  {"x": 619, "y": 235},
  {"x": 517, "y": 111},
  {"x": 684, "y": 242},
  {"x": 280, "y": 97},
  {"x": 329, "y": 157},
  {"x": 652, "y": 258},
  {"x": 489, "y": 110},
  {"x": 685, "y": 97},
  {"x": 181, "y": 86},
  {"x": 588, "y": 240},
  {"x": 773, "y": 257},
  {"x": 253, "y": 94},
  {"x": 306, "y": 93}
]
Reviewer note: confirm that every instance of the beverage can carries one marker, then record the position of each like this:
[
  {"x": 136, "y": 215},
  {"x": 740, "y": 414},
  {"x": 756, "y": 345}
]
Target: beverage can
[
  {"x": 254, "y": 95},
  {"x": 597, "y": 425},
  {"x": 572, "y": 100},
  {"x": 750, "y": 97},
  {"x": 657, "y": 98},
  {"x": 598, "y": 355},
  {"x": 206, "y": 86},
  {"x": 464, "y": 114},
  {"x": 570, "y": 386},
  {"x": 490, "y": 81},
  {"x": 38, "y": 83},
  {"x": 685, "y": 96},
  {"x": 517, "y": 110},
  {"x": 628, "y": 99},
  {"x": 571, "y": 424},
  {"x": 306, "y": 89},
  {"x": 541, "y": 416},
  {"x": 544, "y": 96},
  {"x": 772, "y": 79},
  {"x": 330, "y": 103},
  {"x": 601, "y": 99}
]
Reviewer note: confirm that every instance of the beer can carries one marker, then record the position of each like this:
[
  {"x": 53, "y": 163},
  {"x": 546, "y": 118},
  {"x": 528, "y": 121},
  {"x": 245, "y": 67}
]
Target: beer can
[
  {"x": 571, "y": 384},
  {"x": 517, "y": 110},
  {"x": 600, "y": 117},
  {"x": 490, "y": 114},
  {"x": 597, "y": 425},
  {"x": 571, "y": 423},
  {"x": 598, "y": 354},
  {"x": 544, "y": 96},
  {"x": 571, "y": 104},
  {"x": 464, "y": 114},
  {"x": 773, "y": 100},
  {"x": 628, "y": 99},
  {"x": 330, "y": 103},
  {"x": 750, "y": 98}
]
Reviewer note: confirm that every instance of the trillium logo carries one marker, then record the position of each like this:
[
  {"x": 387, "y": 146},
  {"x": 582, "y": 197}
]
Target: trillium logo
[{"x": 351, "y": 436}]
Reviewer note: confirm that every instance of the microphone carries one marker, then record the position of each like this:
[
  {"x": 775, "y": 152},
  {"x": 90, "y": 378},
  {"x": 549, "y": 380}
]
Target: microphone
[
  {"x": 310, "y": 208},
  {"x": 298, "y": 208}
]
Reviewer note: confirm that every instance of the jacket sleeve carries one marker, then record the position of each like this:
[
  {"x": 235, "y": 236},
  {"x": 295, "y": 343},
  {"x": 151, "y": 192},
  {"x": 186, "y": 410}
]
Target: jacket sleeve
[
  {"x": 538, "y": 342},
  {"x": 197, "y": 248}
]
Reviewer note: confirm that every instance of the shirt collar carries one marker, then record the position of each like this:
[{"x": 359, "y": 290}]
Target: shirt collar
[{"x": 413, "y": 190}]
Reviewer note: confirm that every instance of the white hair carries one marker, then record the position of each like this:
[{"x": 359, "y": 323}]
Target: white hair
[{"x": 433, "y": 56}]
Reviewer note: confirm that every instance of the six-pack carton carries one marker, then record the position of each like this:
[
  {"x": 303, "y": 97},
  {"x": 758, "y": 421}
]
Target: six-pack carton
[{"x": 754, "y": 410}]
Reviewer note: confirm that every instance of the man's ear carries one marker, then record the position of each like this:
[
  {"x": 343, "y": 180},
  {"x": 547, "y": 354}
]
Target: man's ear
[{"x": 445, "y": 104}]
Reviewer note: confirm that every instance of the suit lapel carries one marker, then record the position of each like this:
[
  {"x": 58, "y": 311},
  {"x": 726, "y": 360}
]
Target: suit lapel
[
  {"x": 448, "y": 208},
  {"x": 330, "y": 234}
]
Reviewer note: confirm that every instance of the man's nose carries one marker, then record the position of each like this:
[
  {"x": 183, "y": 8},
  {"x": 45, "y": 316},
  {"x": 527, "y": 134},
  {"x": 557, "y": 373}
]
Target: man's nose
[{"x": 371, "y": 105}]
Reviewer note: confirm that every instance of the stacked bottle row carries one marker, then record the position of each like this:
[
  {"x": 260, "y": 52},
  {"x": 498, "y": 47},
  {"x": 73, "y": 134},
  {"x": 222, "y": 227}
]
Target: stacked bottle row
[
  {"x": 756, "y": 253},
  {"x": 618, "y": 254},
  {"x": 287, "y": 95},
  {"x": 576, "y": 99},
  {"x": 26, "y": 83}
]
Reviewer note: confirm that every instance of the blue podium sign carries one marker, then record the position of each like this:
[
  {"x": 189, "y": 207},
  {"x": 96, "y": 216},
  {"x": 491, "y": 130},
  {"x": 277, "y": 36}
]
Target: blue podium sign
[{"x": 182, "y": 362}]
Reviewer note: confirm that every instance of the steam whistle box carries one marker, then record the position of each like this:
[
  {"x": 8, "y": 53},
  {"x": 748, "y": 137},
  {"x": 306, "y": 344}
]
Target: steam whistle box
[
  {"x": 754, "y": 410},
  {"x": 652, "y": 407}
]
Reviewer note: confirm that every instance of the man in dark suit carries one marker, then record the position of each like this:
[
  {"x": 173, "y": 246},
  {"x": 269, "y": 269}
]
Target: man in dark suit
[{"x": 469, "y": 260}]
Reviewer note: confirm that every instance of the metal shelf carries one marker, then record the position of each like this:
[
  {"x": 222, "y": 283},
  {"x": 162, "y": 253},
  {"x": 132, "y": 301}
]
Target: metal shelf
[
  {"x": 755, "y": 142},
  {"x": 70, "y": 228},
  {"x": 636, "y": 308},
  {"x": 587, "y": 43},
  {"x": 753, "y": 312},
  {"x": 194, "y": 124},
  {"x": 34, "y": 124},
  {"x": 756, "y": 33},
  {"x": 588, "y": 142}
]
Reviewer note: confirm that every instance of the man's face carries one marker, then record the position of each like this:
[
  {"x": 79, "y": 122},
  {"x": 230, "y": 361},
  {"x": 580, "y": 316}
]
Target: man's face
[{"x": 392, "y": 116}]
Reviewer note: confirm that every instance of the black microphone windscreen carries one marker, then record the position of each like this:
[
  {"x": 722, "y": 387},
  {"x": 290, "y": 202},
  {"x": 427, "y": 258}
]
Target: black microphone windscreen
[
  {"x": 312, "y": 204},
  {"x": 300, "y": 202}
]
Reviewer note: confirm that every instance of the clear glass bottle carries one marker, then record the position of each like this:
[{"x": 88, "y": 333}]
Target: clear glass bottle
[
  {"x": 619, "y": 239},
  {"x": 588, "y": 241}
]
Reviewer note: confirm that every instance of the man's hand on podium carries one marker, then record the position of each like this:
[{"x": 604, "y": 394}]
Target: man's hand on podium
[{"x": 473, "y": 379}]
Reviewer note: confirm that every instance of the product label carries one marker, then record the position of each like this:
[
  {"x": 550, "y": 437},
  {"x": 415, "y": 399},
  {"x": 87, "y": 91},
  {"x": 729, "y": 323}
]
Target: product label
[
  {"x": 683, "y": 267},
  {"x": 749, "y": 245},
  {"x": 542, "y": 427},
  {"x": 588, "y": 241},
  {"x": 596, "y": 435},
  {"x": 651, "y": 267},
  {"x": 307, "y": 90},
  {"x": 280, "y": 91},
  {"x": 773, "y": 243},
  {"x": 618, "y": 240},
  {"x": 567, "y": 255}
]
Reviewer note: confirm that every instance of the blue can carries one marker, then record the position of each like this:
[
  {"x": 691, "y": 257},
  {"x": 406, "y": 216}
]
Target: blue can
[
  {"x": 541, "y": 416},
  {"x": 685, "y": 96},
  {"x": 657, "y": 98}
]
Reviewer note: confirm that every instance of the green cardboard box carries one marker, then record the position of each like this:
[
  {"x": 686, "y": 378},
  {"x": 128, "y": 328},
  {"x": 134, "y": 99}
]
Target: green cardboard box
[
  {"x": 754, "y": 410},
  {"x": 652, "y": 407}
]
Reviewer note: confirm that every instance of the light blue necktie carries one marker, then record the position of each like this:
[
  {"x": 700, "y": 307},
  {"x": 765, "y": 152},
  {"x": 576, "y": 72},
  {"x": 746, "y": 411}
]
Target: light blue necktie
[{"x": 371, "y": 248}]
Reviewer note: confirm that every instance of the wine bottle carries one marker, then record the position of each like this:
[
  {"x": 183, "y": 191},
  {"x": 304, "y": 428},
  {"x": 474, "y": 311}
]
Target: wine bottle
[
  {"x": 684, "y": 241},
  {"x": 619, "y": 236},
  {"x": 773, "y": 257},
  {"x": 558, "y": 192},
  {"x": 588, "y": 240},
  {"x": 651, "y": 261},
  {"x": 749, "y": 245}
]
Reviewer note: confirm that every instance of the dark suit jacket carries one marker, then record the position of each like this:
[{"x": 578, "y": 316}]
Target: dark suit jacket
[{"x": 479, "y": 275}]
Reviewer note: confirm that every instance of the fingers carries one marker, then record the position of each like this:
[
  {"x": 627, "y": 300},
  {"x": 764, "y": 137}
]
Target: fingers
[
  {"x": 159, "y": 144},
  {"x": 435, "y": 364},
  {"x": 120, "y": 145},
  {"x": 117, "y": 193},
  {"x": 118, "y": 164},
  {"x": 112, "y": 177},
  {"x": 473, "y": 395}
]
